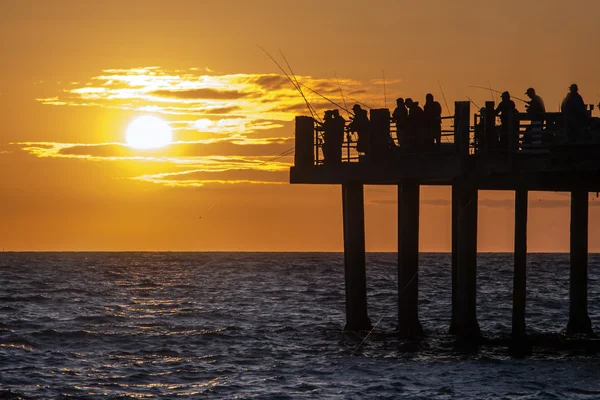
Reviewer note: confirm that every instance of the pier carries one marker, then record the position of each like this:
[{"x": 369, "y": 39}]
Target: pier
[{"x": 530, "y": 153}]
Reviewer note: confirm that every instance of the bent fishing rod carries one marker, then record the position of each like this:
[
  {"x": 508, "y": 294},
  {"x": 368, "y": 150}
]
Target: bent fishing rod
[{"x": 497, "y": 91}]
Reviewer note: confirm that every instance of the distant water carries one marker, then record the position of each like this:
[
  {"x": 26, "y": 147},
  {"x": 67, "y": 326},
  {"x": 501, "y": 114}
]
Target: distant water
[{"x": 269, "y": 326}]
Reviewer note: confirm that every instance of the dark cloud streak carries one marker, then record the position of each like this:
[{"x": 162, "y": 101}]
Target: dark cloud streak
[
  {"x": 202, "y": 94},
  {"x": 222, "y": 148}
]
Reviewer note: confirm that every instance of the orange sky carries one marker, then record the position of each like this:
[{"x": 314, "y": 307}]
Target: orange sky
[{"x": 74, "y": 74}]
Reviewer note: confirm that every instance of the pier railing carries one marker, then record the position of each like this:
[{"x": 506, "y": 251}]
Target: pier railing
[{"x": 522, "y": 134}]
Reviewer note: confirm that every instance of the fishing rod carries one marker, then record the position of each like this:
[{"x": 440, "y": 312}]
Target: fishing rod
[
  {"x": 444, "y": 96},
  {"x": 362, "y": 104},
  {"x": 312, "y": 111},
  {"x": 329, "y": 100},
  {"x": 497, "y": 91},
  {"x": 295, "y": 80},
  {"x": 475, "y": 104},
  {"x": 491, "y": 91},
  {"x": 342, "y": 94}
]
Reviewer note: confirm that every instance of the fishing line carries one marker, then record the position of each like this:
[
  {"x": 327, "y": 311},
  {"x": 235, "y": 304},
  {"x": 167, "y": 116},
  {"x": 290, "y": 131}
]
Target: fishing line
[
  {"x": 475, "y": 104},
  {"x": 296, "y": 80},
  {"x": 288, "y": 152},
  {"x": 372, "y": 329},
  {"x": 497, "y": 91},
  {"x": 444, "y": 96},
  {"x": 491, "y": 91},
  {"x": 329, "y": 100},
  {"x": 342, "y": 94},
  {"x": 362, "y": 104}
]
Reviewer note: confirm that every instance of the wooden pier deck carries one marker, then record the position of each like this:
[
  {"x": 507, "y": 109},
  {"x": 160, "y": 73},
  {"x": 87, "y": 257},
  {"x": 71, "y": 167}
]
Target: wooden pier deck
[{"x": 534, "y": 152}]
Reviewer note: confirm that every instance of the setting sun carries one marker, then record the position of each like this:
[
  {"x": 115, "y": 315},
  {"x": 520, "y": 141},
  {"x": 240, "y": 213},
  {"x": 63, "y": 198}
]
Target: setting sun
[{"x": 148, "y": 133}]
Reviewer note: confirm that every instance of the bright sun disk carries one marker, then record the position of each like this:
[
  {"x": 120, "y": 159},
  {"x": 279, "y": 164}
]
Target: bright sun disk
[{"x": 149, "y": 133}]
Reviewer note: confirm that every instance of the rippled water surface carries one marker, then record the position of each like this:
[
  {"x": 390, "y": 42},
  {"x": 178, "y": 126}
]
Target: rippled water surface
[{"x": 269, "y": 326}]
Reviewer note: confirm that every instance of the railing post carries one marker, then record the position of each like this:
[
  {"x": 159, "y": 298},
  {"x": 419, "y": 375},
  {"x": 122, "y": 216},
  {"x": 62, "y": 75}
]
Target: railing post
[
  {"x": 462, "y": 116},
  {"x": 304, "y": 156},
  {"x": 513, "y": 136},
  {"x": 489, "y": 127}
]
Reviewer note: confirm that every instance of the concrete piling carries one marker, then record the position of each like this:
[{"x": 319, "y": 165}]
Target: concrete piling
[
  {"x": 409, "y": 325},
  {"x": 354, "y": 257}
]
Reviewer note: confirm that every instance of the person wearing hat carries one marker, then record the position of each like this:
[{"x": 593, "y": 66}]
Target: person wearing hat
[
  {"x": 536, "y": 104},
  {"x": 360, "y": 125},
  {"x": 433, "y": 122},
  {"x": 504, "y": 109},
  {"x": 536, "y": 109},
  {"x": 400, "y": 116},
  {"x": 415, "y": 125},
  {"x": 575, "y": 112}
]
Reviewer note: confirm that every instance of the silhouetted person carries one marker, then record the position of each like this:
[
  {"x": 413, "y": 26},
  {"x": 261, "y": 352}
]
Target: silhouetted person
[
  {"x": 575, "y": 112},
  {"x": 360, "y": 125},
  {"x": 536, "y": 104},
  {"x": 433, "y": 121},
  {"x": 400, "y": 117},
  {"x": 415, "y": 125},
  {"x": 504, "y": 109},
  {"x": 536, "y": 108},
  {"x": 333, "y": 136}
]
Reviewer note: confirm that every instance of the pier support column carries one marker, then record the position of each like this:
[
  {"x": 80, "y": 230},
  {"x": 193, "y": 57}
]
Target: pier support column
[
  {"x": 579, "y": 321},
  {"x": 466, "y": 326},
  {"x": 519, "y": 346},
  {"x": 409, "y": 325},
  {"x": 354, "y": 257},
  {"x": 454, "y": 206}
]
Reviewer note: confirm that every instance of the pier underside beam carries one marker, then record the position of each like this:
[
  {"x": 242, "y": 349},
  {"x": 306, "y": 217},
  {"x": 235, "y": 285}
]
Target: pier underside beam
[
  {"x": 466, "y": 326},
  {"x": 579, "y": 321},
  {"x": 409, "y": 325},
  {"x": 519, "y": 344},
  {"x": 354, "y": 257}
]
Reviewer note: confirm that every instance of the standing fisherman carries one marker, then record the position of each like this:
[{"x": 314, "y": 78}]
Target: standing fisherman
[
  {"x": 433, "y": 121},
  {"x": 360, "y": 125},
  {"x": 400, "y": 116},
  {"x": 415, "y": 125},
  {"x": 575, "y": 112},
  {"x": 504, "y": 109},
  {"x": 535, "y": 108}
]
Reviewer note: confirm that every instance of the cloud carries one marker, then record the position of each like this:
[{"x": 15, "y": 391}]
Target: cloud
[
  {"x": 192, "y": 92},
  {"x": 264, "y": 147},
  {"x": 271, "y": 82},
  {"x": 205, "y": 93},
  {"x": 225, "y": 122},
  {"x": 380, "y": 81},
  {"x": 195, "y": 178}
]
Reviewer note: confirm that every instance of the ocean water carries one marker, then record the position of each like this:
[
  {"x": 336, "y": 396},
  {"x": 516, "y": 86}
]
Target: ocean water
[{"x": 269, "y": 326}]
